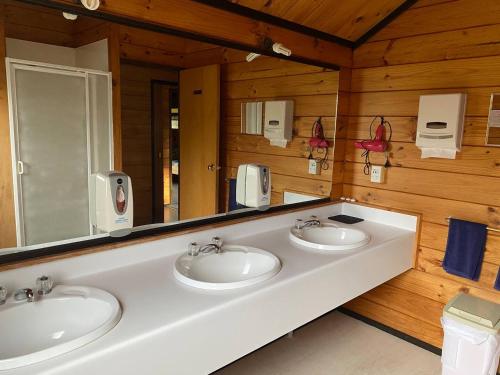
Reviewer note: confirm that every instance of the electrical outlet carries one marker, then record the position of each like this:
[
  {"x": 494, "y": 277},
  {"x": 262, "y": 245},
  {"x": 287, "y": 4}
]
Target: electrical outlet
[
  {"x": 313, "y": 167},
  {"x": 377, "y": 174}
]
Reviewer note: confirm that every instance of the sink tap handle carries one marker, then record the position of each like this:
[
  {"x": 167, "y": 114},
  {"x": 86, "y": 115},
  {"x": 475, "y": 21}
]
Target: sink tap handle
[
  {"x": 193, "y": 249},
  {"x": 3, "y": 295},
  {"x": 24, "y": 294},
  {"x": 217, "y": 241},
  {"x": 299, "y": 224},
  {"x": 44, "y": 285}
]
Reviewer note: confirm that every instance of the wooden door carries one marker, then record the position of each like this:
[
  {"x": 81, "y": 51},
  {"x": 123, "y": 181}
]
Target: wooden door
[{"x": 199, "y": 115}]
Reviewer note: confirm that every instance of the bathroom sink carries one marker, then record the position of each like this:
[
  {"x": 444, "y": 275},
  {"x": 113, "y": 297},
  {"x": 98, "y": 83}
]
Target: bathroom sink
[
  {"x": 234, "y": 267},
  {"x": 66, "y": 319},
  {"x": 329, "y": 237}
]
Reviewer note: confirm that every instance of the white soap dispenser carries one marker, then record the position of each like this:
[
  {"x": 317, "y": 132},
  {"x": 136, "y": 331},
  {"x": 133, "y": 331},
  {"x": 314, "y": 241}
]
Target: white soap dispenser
[
  {"x": 113, "y": 203},
  {"x": 253, "y": 186}
]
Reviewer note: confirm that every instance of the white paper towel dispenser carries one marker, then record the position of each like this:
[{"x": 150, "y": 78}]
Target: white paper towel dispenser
[
  {"x": 440, "y": 124},
  {"x": 253, "y": 185},
  {"x": 113, "y": 203},
  {"x": 278, "y": 122}
]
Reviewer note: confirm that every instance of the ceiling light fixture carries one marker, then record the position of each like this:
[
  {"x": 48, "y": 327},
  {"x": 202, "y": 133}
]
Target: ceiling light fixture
[
  {"x": 252, "y": 56},
  {"x": 91, "y": 4},
  {"x": 281, "y": 49},
  {"x": 69, "y": 16}
]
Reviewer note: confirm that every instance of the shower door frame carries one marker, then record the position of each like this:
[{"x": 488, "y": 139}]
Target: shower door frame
[{"x": 17, "y": 64}]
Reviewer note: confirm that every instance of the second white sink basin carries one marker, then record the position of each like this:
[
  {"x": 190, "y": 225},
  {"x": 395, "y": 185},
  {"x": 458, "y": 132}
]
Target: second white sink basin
[
  {"x": 329, "y": 237},
  {"x": 234, "y": 267},
  {"x": 67, "y": 318}
]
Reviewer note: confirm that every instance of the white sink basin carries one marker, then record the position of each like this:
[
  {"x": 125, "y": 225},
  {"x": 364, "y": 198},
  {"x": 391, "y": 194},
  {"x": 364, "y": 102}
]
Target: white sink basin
[
  {"x": 234, "y": 267},
  {"x": 67, "y": 318},
  {"x": 329, "y": 237}
]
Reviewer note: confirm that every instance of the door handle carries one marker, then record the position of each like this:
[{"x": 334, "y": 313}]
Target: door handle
[
  {"x": 213, "y": 168},
  {"x": 20, "y": 167}
]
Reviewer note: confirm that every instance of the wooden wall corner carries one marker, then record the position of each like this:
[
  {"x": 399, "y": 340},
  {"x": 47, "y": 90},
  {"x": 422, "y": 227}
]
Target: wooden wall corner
[{"x": 7, "y": 219}]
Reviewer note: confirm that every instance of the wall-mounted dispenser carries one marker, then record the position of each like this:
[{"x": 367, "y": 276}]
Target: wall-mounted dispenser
[
  {"x": 113, "y": 203},
  {"x": 278, "y": 122},
  {"x": 440, "y": 124},
  {"x": 253, "y": 185}
]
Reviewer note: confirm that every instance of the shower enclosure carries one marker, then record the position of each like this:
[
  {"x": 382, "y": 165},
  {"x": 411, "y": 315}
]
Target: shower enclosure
[{"x": 61, "y": 133}]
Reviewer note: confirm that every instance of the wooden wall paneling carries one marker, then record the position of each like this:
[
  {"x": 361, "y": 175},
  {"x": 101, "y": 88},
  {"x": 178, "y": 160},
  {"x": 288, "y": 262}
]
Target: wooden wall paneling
[
  {"x": 196, "y": 18},
  {"x": 7, "y": 219},
  {"x": 472, "y": 72},
  {"x": 218, "y": 55},
  {"x": 433, "y": 209},
  {"x": 456, "y": 44},
  {"x": 314, "y": 92},
  {"x": 37, "y": 24},
  {"x": 449, "y": 46},
  {"x": 305, "y": 105},
  {"x": 343, "y": 109},
  {"x": 306, "y": 84},
  {"x": 441, "y": 17},
  {"x": 412, "y": 326}
]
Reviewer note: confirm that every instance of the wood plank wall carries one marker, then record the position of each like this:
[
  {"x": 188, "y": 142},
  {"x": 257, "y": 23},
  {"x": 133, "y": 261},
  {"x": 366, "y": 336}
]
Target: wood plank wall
[
  {"x": 314, "y": 92},
  {"x": 136, "y": 133},
  {"x": 435, "y": 47}
]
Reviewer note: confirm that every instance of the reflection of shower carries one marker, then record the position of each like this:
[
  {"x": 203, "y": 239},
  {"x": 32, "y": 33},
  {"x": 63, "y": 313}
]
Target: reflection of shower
[{"x": 61, "y": 127}]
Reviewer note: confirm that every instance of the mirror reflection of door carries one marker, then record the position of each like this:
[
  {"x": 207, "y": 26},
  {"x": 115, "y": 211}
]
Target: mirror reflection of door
[
  {"x": 165, "y": 151},
  {"x": 149, "y": 93},
  {"x": 199, "y": 141}
]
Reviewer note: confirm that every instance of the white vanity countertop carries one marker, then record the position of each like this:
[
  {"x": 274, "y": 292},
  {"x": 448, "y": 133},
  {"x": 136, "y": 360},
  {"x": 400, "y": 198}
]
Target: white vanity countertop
[{"x": 170, "y": 328}]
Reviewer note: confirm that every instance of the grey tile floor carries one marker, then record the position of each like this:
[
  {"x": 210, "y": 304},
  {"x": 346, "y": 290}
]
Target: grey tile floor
[{"x": 337, "y": 344}]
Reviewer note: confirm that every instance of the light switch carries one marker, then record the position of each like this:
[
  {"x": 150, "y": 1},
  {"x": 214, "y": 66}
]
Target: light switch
[
  {"x": 313, "y": 167},
  {"x": 377, "y": 174}
]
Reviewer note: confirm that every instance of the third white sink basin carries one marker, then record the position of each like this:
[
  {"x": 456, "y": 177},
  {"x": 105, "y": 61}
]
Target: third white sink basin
[
  {"x": 329, "y": 237},
  {"x": 234, "y": 267},
  {"x": 67, "y": 318}
]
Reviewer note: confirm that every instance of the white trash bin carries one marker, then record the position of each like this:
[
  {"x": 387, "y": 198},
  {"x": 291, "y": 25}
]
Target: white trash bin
[{"x": 471, "y": 336}]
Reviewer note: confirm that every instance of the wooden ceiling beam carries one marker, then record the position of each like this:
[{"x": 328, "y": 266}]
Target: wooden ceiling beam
[{"x": 194, "y": 20}]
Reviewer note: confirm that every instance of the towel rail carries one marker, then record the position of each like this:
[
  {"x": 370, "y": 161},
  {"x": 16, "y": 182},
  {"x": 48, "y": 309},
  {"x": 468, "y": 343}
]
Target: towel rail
[{"x": 488, "y": 228}]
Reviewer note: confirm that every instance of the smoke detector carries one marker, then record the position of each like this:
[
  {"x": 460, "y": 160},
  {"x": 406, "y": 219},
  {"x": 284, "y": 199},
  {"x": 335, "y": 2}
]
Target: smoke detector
[{"x": 91, "y": 4}]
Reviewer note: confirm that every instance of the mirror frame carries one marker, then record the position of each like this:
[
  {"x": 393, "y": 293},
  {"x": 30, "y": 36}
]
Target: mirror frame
[{"x": 48, "y": 251}]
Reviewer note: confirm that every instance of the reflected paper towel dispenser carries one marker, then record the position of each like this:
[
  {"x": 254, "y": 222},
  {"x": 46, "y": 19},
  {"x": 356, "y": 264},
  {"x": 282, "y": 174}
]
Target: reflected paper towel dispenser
[
  {"x": 278, "y": 122},
  {"x": 253, "y": 185},
  {"x": 440, "y": 124},
  {"x": 113, "y": 203}
]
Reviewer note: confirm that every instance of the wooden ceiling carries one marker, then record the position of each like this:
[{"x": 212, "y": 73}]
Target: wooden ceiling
[{"x": 346, "y": 19}]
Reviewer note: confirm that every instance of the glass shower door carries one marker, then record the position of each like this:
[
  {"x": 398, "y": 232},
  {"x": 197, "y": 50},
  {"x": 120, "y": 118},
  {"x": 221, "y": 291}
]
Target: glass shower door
[{"x": 52, "y": 154}]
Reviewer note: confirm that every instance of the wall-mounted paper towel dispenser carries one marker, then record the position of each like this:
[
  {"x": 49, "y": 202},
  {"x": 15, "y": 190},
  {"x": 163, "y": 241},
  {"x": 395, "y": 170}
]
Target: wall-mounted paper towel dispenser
[
  {"x": 440, "y": 124},
  {"x": 278, "y": 122}
]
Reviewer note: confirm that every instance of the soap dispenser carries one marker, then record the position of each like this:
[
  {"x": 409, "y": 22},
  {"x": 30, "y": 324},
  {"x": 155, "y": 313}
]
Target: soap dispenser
[
  {"x": 253, "y": 186},
  {"x": 113, "y": 203}
]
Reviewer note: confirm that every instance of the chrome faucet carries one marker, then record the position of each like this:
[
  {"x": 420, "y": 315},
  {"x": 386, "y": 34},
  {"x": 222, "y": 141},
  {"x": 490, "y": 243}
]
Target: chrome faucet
[
  {"x": 312, "y": 222},
  {"x": 44, "y": 285},
  {"x": 3, "y": 295},
  {"x": 24, "y": 294},
  {"x": 216, "y": 246}
]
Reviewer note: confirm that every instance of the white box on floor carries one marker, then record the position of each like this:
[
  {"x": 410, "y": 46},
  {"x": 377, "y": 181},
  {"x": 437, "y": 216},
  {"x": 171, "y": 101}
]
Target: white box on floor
[{"x": 471, "y": 336}]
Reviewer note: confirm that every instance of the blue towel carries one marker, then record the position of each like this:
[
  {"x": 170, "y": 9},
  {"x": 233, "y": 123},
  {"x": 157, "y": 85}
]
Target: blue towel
[
  {"x": 232, "y": 204},
  {"x": 497, "y": 282},
  {"x": 465, "y": 249}
]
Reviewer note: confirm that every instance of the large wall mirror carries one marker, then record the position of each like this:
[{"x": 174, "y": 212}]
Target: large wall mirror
[{"x": 86, "y": 96}]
